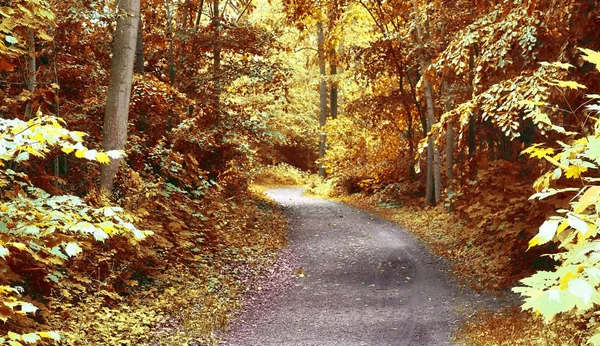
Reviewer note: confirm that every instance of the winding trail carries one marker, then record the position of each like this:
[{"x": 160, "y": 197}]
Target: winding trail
[{"x": 366, "y": 282}]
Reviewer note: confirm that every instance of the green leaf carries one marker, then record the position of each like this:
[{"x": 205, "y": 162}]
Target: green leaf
[
  {"x": 72, "y": 249},
  {"x": 547, "y": 231},
  {"x": 581, "y": 289},
  {"x": 4, "y": 252},
  {"x": 31, "y": 338},
  {"x": 11, "y": 39},
  {"x": 28, "y": 308}
]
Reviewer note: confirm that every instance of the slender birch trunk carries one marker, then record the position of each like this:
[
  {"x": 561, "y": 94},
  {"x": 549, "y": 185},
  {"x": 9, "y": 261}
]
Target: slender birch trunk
[
  {"x": 323, "y": 96},
  {"x": 119, "y": 89}
]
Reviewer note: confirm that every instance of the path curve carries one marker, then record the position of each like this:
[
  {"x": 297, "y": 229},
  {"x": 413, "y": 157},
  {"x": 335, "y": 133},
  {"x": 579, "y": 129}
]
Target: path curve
[{"x": 366, "y": 282}]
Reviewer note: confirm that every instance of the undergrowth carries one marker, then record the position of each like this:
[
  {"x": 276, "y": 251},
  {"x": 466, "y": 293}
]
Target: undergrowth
[
  {"x": 189, "y": 296},
  {"x": 281, "y": 174},
  {"x": 511, "y": 327}
]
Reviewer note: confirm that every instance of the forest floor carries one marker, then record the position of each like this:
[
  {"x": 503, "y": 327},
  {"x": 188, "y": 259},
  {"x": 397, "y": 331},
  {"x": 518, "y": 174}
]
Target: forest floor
[{"x": 359, "y": 280}]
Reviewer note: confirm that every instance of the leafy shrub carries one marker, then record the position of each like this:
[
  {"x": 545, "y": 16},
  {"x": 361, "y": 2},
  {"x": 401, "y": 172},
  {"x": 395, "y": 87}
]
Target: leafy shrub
[
  {"x": 572, "y": 286},
  {"x": 281, "y": 174},
  {"x": 45, "y": 229}
]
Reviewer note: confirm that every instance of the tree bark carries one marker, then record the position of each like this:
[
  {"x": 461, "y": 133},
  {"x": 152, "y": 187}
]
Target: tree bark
[
  {"x": 333, "y": 96},
  {"x": 434, "y": 174},
  {"x": 217, "y": 57},
  {"x": 323, "y": 96},
  {"x": 171, "y": 43},
  {"x": 31, "y": 68},
  {"x": 183, "y": 33},
  {"x": 139, "y": 49},
  {"x": 119, "y": 89},
  {"x": 449, "y": 150}
]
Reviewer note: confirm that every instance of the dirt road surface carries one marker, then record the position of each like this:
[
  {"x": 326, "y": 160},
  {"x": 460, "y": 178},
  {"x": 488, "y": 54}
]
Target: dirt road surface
[{"x": 351, "y": 279}]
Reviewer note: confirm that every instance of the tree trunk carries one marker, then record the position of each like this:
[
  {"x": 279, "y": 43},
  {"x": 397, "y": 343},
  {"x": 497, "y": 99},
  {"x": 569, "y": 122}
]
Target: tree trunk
[
  {"x": 333, "y": 96},
  {"x": 119, "y": 89},
  {"x": 471, "y": 137},
  {"x": 471, "y": 142},
  {"x": 323, "y": 96},
  {"x": 217, "y": 57},
  {"x": 139, "y": 50},
  {"x": 434, "y": 174},
  {"x": 183, "y": 33},
  {"x": 449, "y": 151},
  {"x": 171, "y": 43},
  {"x": 434, "y": 183},
  {"x": 31, "y": 68}
]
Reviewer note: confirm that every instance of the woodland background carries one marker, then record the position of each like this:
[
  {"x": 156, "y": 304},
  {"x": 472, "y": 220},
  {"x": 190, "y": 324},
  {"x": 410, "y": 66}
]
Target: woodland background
[{"x": 444, "y": 116}]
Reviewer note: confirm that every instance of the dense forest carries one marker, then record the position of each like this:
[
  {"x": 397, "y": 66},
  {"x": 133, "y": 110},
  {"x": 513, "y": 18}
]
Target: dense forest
[{"x": 135, "y": 137}]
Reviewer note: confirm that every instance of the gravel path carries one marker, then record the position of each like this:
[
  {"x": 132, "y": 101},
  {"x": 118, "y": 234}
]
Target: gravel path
[{"x": 366, "y": 282}]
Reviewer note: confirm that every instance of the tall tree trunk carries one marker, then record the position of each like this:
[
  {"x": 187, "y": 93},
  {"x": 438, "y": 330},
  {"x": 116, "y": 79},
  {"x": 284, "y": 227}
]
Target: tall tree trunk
[
  {"x": 139, "y": 49},
  {"x": 449, "y": 150},
  {"x": 434, "y": 179},
  {"x": 323, "y": 95},
  {"x": 119, "y": 89},
  {"x": 472, "y": 128},
  {"x": 171, "y": 43},
  {"x": 183, "y": 33},
  {"x": 333, "y": 96},
  {"x": 217, "y": 57},
  {"x": 31, "y": 68},
  {"x": 434, "y": 174},
  {"x": 60, "y": 157}
]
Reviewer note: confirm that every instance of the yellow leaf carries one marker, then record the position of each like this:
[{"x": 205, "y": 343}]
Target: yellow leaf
[
  {"x": 67, "y": 150},
  {"x": 533, "y": 103},
  {"x": 50, "y": 335},
  {"x": 563, "y": 226},
  {"x": 102, "y": 158},
  {"x": 19, "y": 246},
  {"x": 591, "y": 56},
  {"x": 574, "y": 171},
  {"x": 590, "y": 197},
  {"x": 541, "y": 152},
  {"x": 564, "y": 281},
  {"x": 38, "y": 137},
  {"x": 80, "y": 153},
  {"x": 14, "y": 336},
  {"x": 34, "y": 152},
  {"x": 571, "y": 85},
  {"x": 533, "y": 242}
]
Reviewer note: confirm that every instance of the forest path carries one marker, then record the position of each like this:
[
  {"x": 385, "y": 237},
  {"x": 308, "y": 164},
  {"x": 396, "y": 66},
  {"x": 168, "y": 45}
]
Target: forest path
[{"x": 366, "y": 282}]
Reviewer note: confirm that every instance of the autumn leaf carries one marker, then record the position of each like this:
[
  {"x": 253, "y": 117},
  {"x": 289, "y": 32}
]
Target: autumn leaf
[
  {"x": 72, "y": 249},
  {"x": 591, "y": 56},
  {"x": 102, "y": 158},
  {"x": 80, "y": 153},
  {"x": 574, "y": 171},
  {"x": 50, "y": 335},
  {"x": 571, "y": 85},
  {"x": 590, "y": 197},
  {"x": 6, "y": 66}
]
